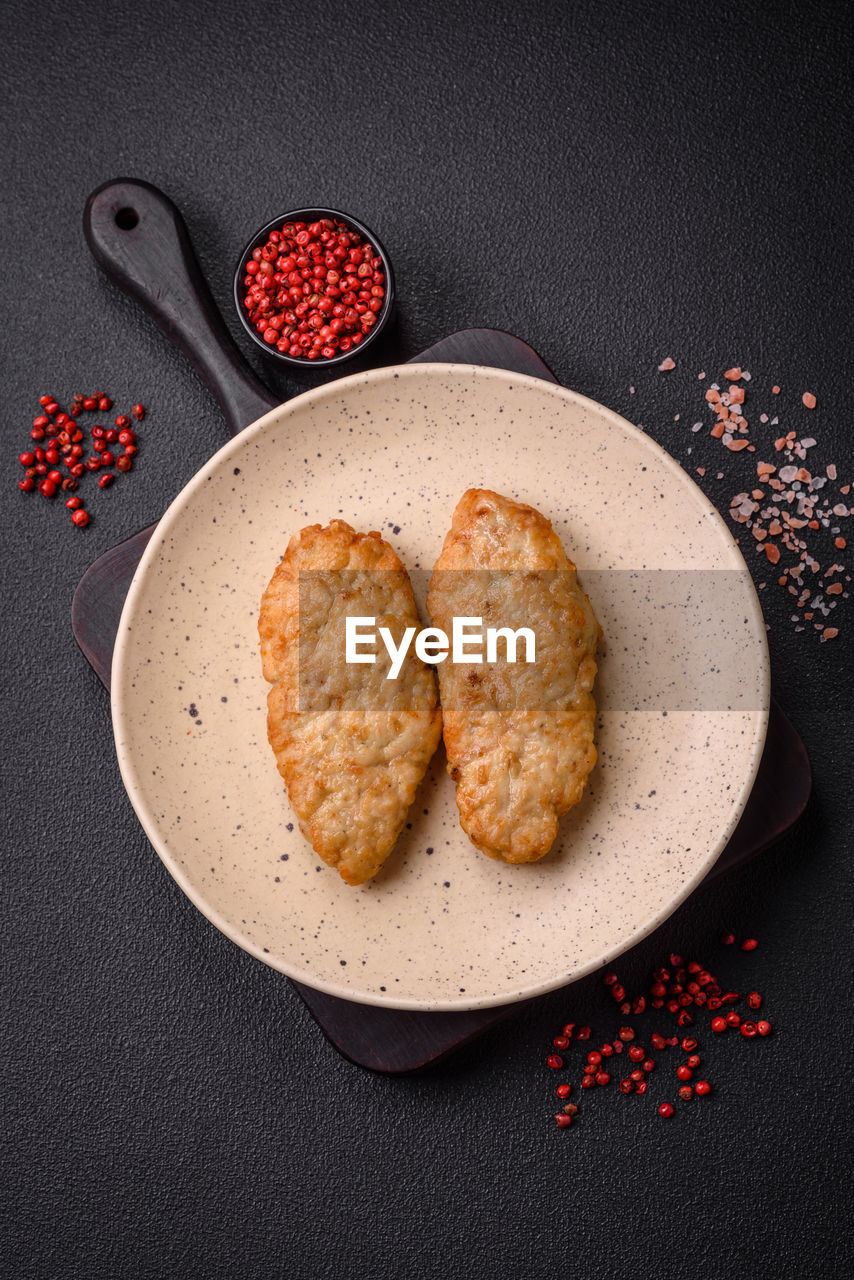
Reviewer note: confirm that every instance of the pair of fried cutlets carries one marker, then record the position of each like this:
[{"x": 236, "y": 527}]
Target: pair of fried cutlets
[{"x": 352, "y": 745}]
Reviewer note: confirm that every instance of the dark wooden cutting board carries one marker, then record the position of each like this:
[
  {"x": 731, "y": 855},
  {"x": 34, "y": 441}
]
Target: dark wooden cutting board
[{"x": 155, "y": 264}]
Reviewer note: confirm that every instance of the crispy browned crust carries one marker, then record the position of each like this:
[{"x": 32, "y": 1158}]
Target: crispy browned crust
[
  {"x": 519, "y": 738},
  {"x": 351, "y": 745}
]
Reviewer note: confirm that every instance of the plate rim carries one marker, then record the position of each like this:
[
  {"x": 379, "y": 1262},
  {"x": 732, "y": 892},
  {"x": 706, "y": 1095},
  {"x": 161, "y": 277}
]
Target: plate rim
[{"x": 160, "y": 535}]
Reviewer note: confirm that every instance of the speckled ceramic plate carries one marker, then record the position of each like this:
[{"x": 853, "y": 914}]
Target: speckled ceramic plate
[{"x": 682, "y": 689}]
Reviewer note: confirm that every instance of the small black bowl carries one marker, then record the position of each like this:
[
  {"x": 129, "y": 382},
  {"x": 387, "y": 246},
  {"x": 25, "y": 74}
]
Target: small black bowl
[{"x": 313, "y": 215}]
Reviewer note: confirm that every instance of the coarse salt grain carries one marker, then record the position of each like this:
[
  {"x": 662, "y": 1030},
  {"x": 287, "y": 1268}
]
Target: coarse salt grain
[{"x": 794, "y": 486}]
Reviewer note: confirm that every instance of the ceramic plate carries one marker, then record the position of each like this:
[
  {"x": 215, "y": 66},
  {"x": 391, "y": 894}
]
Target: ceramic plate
[{"x": 682, "y": 689}]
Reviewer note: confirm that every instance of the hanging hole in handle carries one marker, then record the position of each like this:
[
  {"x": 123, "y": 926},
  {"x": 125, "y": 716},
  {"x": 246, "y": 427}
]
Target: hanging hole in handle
[{"x": 127, "y": 219}]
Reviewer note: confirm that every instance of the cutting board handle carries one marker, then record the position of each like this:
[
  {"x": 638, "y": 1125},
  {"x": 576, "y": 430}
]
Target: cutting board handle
[{"x": 140, "y": 240}]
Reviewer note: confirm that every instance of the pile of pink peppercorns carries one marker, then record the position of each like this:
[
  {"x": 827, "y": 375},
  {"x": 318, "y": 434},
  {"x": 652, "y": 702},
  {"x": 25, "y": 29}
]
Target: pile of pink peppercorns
[
  {"x": 314, "y": 290},
  {"x": 58, "y": 442},
  {"x": 684, "y": 989}
]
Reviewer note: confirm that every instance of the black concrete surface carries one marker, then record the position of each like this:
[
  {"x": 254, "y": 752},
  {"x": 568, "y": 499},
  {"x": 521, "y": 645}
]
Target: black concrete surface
[{"x": 615, "y": 183}]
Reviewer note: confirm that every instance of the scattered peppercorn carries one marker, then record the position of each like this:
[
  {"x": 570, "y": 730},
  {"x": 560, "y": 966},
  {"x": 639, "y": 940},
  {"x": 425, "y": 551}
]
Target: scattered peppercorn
[
  {"x": 63, "y": 446},
  {"x": 666, "y": 1109},
  {"x": 683, "y": 984}
]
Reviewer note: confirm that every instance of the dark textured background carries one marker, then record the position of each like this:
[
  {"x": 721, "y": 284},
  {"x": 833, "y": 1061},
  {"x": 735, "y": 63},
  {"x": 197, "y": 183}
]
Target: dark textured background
[{"x": 615, "y": 183}]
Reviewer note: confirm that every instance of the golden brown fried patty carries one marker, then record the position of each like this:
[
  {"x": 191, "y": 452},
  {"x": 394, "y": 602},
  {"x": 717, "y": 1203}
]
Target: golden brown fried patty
[
  {"x": 519, "y": 737},
  {"x": 351, "y": 745}
]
